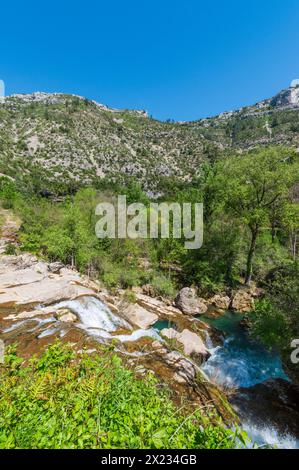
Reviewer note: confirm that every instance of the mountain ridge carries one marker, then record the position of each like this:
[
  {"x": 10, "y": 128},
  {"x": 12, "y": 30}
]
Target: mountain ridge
[{"x": 69, "y": 140}]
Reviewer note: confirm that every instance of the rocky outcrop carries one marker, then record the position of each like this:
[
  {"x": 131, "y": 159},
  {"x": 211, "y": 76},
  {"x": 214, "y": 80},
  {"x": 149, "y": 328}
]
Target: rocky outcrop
[
  {"x": 242, "y": 301},
  {"x": 188, "y": 302},
  {"x": 192, "y": 344},
  {"x": 25, "y": 281},
  {"x": 156, "y": 306},
  {"x": 288, "y": 98},
  {"x": 139, "y": 316},
  {"x": 220, "y": 301}
]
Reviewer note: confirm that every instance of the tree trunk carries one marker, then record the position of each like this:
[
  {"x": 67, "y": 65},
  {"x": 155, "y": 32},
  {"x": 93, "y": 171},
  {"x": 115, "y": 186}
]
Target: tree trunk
[{"x": 254, "y": 234}]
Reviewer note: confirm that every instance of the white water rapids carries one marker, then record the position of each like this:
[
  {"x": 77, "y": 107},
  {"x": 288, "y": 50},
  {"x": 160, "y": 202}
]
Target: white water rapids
[
  {"x": 97, "y": 319},
  {"x": 234, "y": 364}
]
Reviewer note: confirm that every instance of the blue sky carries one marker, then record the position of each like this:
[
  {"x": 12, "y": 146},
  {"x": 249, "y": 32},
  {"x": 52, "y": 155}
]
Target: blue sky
[{"x": 179, "y": 60}]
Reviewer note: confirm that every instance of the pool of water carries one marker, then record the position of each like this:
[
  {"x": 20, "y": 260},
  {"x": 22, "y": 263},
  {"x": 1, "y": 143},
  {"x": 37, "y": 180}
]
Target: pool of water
[
  {"x": 240, "y": 361},
  {"x": 161, "y": 324}
]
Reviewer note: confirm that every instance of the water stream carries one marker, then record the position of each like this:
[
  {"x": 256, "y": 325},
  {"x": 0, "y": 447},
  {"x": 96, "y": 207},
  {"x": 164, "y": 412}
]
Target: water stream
[
  {"x": 243, "y": 364},
  {"x": 240, "y": 363}
]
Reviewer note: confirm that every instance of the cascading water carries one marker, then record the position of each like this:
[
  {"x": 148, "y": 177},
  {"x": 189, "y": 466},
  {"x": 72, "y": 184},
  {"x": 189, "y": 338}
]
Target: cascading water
[
  {"x": 240, "y": 361},
  {"x": 98, "y": 320},
  {"x": 95, "y": 316},
  {"x": 243, "y": 362}
]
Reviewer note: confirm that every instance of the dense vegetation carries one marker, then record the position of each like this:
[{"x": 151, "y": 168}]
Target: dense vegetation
[
  {"x": 66, "y": 400},
  {"x": 250, "y": 232},
  {"x": 61, "y": 156}
]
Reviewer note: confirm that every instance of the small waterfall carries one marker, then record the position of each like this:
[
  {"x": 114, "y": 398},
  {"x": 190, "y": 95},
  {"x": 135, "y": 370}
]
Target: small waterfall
[
  {"x": 268, "y": 435},
  {"x": 209, "y": 342},
  {"x": 98, "y": 320},
  {"x": 95, "y": 316},
  {"x": 240, "y": 361}
]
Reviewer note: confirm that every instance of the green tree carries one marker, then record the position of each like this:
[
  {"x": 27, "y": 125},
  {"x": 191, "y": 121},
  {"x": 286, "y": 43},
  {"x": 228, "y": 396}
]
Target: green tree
[{"x": 250, "y": 185}]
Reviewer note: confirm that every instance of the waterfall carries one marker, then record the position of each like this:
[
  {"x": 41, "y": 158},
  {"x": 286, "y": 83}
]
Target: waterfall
[
  {"x": 97, "y": 319},
  {"x": 95, "y": 316},
  {"x": 268, "y": 435},
  {"x": 241, "y": 362},
  {"x": 151, "y": 332}
]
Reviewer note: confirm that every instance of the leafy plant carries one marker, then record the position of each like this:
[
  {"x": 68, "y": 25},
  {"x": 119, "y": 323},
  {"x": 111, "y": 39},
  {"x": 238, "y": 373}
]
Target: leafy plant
[{"x": 67, "y": 400}]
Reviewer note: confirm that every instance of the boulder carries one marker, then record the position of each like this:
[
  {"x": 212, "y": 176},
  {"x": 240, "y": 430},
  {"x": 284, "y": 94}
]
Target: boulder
[
  {"x": 68, "y": 317},
  {"x": 156, "y": 306},
  {"x": 139, "y": 316},
  {"x": 242, "y": 301},
  {"x": 184, "y": 370},
  {"x": 188, "y": 302},
  {"x": 193, "y": 345},
  {"x": 220, "y": 301}
]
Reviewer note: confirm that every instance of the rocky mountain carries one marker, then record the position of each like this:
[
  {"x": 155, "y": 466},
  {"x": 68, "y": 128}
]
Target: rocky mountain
[
  {"x": 66, "y": 139},
  {"x": 271, "y": 121}
]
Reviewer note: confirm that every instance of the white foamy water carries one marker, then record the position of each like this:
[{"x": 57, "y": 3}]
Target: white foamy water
[
  {"x": 151, "y": 332},
  {"x": 48, "y": 332},
  {"x": 98, "y": 320},
  {"x": 266, "y": 435},
  {"x": 95, "y": 316},
  {"x": 209, "y": 342}
]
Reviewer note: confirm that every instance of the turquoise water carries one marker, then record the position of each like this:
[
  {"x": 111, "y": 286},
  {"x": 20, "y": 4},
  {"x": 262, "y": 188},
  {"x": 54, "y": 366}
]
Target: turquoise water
[
  {"x": 161, "y": 324},
  {"x": 240, "y": 361}
]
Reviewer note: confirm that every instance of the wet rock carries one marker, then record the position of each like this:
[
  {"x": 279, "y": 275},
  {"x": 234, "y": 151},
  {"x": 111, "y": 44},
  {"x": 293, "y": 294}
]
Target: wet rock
[
  {"x": 188, "y": 302},
  {"x": 192, "y": 344}
]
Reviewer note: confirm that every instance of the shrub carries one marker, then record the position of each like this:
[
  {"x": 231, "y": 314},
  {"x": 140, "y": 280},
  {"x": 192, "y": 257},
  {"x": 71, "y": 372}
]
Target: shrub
[{"x": 163, "y": 286}]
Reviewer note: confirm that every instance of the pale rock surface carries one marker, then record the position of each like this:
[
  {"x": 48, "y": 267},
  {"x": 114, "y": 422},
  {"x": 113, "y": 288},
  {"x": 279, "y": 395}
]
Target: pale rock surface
[
  {"x": 139, "y": 316},
  {"x": 242, "y": 301},
  {"x": 188, "y": 302},
  {"x": 192, "y": 344}
]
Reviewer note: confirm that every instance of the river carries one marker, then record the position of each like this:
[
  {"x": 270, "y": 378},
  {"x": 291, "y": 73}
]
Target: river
[{"x": 260, "y": 390}]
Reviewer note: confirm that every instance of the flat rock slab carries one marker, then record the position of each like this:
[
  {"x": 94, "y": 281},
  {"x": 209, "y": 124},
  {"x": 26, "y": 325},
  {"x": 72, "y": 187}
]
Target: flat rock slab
[
  {"x": 139, "y": 316},
  {"x": 46, "y": 291}
]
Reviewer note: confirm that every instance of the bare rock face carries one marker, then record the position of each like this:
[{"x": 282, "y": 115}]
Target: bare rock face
[
  {"x": 26, "y": 281},
  {"x": 242, "y": 301},
  {"x": 156, "y": 306},
  {"x": 139, "y": 316},
  {"x": 188, "y": 302},
  {"x": 220, "y": 301},
  {"x": 68, "y": 317},
  {"x": 192, "y": 344},
  {"x": 287, "y": 98}
]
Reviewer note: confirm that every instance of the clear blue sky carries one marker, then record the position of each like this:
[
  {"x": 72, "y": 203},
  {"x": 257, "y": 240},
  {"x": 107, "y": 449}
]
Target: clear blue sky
[{"x": 177, "y": 59}]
